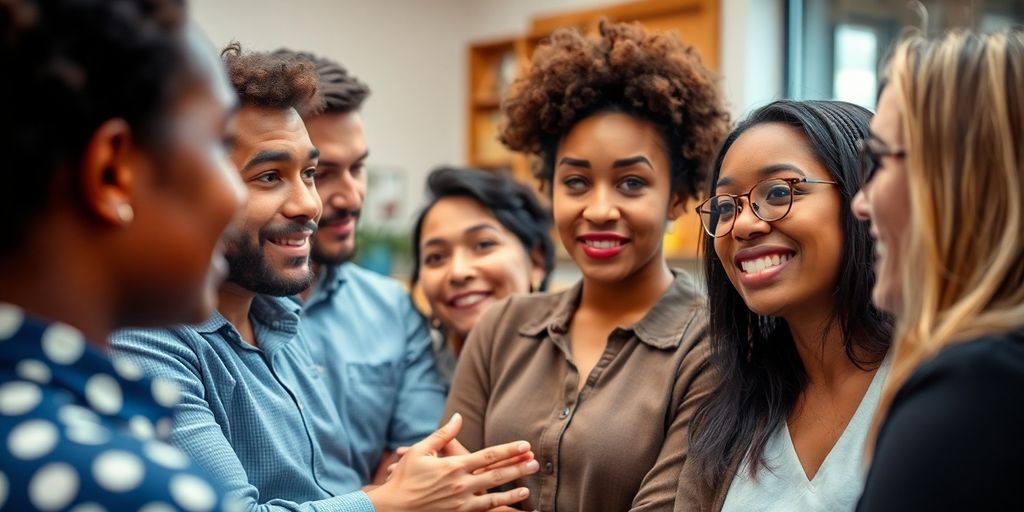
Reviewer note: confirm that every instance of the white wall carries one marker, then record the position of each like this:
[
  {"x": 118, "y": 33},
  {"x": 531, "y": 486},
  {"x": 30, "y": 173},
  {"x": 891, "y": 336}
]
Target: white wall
[{"x": 412, "y": 54}]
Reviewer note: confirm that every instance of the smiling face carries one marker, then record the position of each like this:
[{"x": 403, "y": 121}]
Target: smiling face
[
  {"x": 885, "y": 200},
  {"x": 269, "y": 248},
  {"x": 468, "y": 261},
  {"x": 340, "y": 181},
  {"x": 789, "y": 266},
  {"x": 611, "y": 196}
]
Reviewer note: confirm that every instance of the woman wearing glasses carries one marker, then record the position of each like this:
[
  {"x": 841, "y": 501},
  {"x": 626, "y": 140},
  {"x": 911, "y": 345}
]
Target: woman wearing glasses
[
  {"x": 943, "y": 197},
  {"x": 602, "y": 378},
  {"x": 798, "y": 347}
]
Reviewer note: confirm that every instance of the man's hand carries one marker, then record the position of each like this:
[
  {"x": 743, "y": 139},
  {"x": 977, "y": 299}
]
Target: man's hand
[{"x": 424, "y": 479}]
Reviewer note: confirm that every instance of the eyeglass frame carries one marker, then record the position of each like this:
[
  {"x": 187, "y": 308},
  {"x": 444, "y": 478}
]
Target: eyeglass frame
[
  {"x": 869, "y": 159},
  {"x": 739, "y": 206}
]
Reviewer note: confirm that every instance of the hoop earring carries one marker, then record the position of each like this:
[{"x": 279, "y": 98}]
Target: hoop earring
[{"x": 126, "y": 213}]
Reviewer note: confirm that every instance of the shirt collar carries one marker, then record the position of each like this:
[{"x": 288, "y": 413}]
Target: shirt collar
[
  {"x": 279, "y": 313},
  {"x": 73, "y": 364},
  {"x": 662, "y": 327}
]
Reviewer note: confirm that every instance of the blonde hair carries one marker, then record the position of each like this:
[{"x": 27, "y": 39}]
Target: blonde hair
[{"x": 963, "y": 271}]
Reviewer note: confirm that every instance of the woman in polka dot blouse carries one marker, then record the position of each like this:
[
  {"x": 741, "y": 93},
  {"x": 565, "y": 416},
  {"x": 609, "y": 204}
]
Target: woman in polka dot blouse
[{"x": 116, "y": 187}]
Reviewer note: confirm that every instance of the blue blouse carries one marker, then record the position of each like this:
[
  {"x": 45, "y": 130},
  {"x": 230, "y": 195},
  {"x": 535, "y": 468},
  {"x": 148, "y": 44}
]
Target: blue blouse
[{"x": 77, "y": 430}]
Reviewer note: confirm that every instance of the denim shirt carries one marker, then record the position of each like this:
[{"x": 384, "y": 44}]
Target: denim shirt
[
  {"x": 79, "y": 432},
  {"x": 258, "y": 417},
  {"x": 379, "y": 367}
]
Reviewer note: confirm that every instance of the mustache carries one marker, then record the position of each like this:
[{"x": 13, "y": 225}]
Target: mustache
[
  {"x": 308, "y": 227},
  {"x": 336, "y": 215}
]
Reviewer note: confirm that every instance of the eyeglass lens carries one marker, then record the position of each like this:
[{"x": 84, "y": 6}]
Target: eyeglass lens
[{"x": 770, "y": 200}]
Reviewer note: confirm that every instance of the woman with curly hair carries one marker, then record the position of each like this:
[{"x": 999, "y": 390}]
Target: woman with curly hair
[
  {"x": 794, "y": 339},
  {"x": 602, "y": 379}
]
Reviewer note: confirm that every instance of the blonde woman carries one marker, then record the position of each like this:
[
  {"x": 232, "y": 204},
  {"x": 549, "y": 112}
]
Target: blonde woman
[{"x": 943, "y": 187}]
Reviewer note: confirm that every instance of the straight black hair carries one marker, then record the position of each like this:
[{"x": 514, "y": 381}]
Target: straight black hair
[
  {"x": 514, "y": 205},
  {"x": 761, "y": 374}
]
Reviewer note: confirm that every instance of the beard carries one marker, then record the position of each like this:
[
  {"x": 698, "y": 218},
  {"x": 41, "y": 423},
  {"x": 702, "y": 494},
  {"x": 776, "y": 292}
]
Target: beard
[
  {"x": 320, "y": 255},
  {"x": 249, "y": 268}
]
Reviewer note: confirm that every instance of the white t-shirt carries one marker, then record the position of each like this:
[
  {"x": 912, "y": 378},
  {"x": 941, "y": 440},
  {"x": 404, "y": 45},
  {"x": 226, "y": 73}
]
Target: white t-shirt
[{"x": 783, "y": 486}]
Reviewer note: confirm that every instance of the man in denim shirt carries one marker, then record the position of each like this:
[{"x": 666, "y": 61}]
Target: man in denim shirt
[
  {"x": 372, "y": 342},
  {"x": 255, "y": 411}
]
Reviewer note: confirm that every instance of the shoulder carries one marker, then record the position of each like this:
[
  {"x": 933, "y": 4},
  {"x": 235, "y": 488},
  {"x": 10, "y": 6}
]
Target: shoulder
[
  {"x": 993, "y": 361},
  {"x": 373, "y": 281},
  {"x": 64, "y": 454},
  {"x": 179, "y": 340}
]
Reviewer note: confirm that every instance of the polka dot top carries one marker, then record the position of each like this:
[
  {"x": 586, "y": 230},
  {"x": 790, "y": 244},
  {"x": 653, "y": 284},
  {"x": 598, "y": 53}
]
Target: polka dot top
[{"x": 78, "y": 432}]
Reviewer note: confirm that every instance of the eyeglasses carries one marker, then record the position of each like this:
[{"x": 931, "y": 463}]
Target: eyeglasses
[
  {"x": 871, "y": 152},
  {"x": 770, "y": 200}
]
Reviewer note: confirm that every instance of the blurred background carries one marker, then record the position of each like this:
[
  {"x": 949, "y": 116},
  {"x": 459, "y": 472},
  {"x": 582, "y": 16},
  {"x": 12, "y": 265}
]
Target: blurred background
[{"x": 438, "y": 68}]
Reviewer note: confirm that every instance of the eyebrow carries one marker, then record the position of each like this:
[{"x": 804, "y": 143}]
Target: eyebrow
[
  {"x": 765, "y": 172},
  {"x": 622, "y": 162},
  {"x": 470, "y": 230},
  {"x": 267, "y": 156}
]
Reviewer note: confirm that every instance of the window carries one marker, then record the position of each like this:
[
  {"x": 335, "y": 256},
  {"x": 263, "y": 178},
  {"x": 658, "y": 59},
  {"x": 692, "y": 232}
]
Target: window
[{"x": 835, "y": 47}]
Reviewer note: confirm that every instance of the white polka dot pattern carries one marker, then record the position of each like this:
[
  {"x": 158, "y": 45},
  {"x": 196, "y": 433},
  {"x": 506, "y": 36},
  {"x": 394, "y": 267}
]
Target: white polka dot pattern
[
  {"x": 141, "y": 427},
  {"x": 32, "y": 439},
  {"x": 87, "y": 434},
  {"x": 118, "y": 471},
  {"x": 192, "y": 494},
  {"x": 35, "y": 371},
  {"x": 127, "y": 369},
  {"x": 88, "y": 507},
  {"x": 166, "y": 393},
  {"x": 11, "y": 319},
  {"x": 19, "y": 397},
  {"x": 63, "y": 344},
  {"x": 103, "y": 393},
  {"x": 157, "y": 507},
  {"x": 53, "y": 487},
  {"x": 4, "y": 489},
  {"x": 165, "y": 455}
]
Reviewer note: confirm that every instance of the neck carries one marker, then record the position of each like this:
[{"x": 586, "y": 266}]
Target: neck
[
  {"x": 819, "y": 343},
  {"x": 235, "y": 302},
  {"x": 455, "y": 341},
  {"x": 632, "y": 296},
  {"x": 42, "y": 279}
]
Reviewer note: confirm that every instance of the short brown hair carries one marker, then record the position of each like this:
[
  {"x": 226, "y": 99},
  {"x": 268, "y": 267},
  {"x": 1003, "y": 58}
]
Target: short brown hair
[{"x": 268, "y": 80}]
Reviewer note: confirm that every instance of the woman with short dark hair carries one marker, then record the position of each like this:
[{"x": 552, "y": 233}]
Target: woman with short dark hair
[{"x": 482, "y": 237}]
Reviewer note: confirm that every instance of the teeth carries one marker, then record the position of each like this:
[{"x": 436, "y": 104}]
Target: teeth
[
  {"x": 603, "y": 244},
  {"x": 291, "y": 242},
  {"x": 470, "y": 299},
  {"x": 762, "y": 264}
]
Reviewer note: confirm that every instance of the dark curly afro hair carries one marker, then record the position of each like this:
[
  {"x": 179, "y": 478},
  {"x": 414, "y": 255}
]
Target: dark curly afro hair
[
  {"x": 271, "y": 80},
  {"x": 651, "y": 75}
]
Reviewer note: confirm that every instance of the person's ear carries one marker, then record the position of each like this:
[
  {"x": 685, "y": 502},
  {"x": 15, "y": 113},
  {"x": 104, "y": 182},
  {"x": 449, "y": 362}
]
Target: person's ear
[
  {"x": 536, "y": 268},
  {"x": 676, "y": 206},
  {"x": 106, "y": 176}
]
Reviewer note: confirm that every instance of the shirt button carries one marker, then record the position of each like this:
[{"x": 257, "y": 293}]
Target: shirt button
[
  {"x": 565, "y": 413},
  {"x": 549, "y": 468}
]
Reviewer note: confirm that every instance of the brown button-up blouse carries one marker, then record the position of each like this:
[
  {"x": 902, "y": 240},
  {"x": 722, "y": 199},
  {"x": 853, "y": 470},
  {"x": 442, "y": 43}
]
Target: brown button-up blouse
[{"x": 620, "y": 441}]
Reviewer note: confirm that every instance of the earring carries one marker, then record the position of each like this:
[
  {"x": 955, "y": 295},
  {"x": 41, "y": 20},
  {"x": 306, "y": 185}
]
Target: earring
[
  {"x": 125, "y": 213},
  {"x": 435, "y": 323}
]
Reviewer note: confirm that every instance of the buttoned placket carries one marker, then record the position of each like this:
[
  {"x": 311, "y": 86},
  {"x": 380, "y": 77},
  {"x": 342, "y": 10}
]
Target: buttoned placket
[
  {"x": 268, "y": 357},
  {"x": 551, "y": 438}
]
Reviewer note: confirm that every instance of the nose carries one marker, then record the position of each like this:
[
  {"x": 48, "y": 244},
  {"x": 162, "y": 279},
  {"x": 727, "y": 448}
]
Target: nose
[
  {"x": 344, "y": 193},
  {"x": 601, "y": 208},
  {"x": 748, "y": 225},
  {"x": 462, "y": 267},
  {"x": 859, "y": 205},
  {"x": 303, "y": 201}
]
